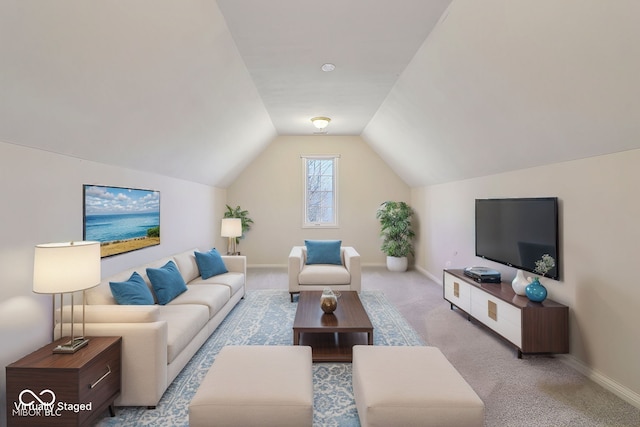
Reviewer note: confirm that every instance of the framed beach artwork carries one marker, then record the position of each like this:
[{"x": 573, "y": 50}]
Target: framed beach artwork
[{"x": 121, "y": 219}]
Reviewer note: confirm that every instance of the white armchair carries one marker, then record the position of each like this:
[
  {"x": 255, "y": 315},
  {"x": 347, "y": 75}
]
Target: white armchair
[{"x": 316, "y": 277}]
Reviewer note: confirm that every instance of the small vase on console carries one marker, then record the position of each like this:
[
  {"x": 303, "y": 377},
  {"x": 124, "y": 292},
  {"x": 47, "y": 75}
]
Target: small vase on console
[
  {"x": 520, "y": 283},
  {"x": 535, "y": 291},
  {"x": 328, "y": 301}
]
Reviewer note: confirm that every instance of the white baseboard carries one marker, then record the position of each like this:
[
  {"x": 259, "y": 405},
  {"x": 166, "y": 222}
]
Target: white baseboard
[
  {"x": 437, "y": 279},
  {"x": 614, "y": 387}
]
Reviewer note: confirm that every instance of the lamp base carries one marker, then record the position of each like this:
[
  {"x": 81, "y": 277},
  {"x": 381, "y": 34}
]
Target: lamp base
[{"x": 71, "y": 346}]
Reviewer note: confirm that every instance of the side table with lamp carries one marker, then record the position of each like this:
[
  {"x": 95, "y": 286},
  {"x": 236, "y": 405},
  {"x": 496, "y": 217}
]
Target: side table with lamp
[{"x": 73, "y": 380}]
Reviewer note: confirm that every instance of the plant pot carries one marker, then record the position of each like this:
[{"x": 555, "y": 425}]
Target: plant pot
[{"x": 397, "y": 263}]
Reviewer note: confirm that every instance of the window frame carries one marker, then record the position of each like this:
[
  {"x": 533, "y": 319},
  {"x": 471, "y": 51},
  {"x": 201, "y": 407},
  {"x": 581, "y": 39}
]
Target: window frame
[{"x": 305, "y": 190}]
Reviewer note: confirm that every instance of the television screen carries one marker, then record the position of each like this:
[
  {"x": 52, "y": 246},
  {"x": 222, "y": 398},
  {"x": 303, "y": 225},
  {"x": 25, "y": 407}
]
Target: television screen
[{"x": 518, "y": 232}]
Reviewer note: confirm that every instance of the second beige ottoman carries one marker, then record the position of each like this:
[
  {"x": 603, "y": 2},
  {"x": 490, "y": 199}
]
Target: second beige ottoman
[
  {"x": 256, "y": 386},
  {"x": 411, "y": 386}
]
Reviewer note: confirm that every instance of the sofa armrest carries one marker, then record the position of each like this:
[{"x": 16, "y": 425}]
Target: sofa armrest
[
  {"x": 352, "y": 264},
  {"x": 144, "y": 358},
  {"x": 295, "y": 264},
  {"x": 236, "y": 263},
  {"x": 106, "y": 313}
]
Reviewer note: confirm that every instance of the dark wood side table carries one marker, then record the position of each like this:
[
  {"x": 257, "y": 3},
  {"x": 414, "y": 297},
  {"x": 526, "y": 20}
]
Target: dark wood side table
[{"x": 50, "y": 389}]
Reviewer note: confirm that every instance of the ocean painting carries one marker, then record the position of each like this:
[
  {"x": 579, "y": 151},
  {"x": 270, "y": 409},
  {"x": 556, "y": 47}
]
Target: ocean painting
[{"x": 121, "y": 219}]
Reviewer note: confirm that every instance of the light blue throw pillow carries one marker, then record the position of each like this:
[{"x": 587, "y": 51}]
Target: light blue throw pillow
[
  {"x": 210, "y": 263},
  {"x": 132, "y": 292},
  {"x": 167, "y": 282},
  {"x": 323, "y": 251}
]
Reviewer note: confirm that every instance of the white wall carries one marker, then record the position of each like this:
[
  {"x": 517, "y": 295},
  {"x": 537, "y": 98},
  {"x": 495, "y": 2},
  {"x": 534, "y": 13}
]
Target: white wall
[
  {"x": 41, "y": 197},
  {"x": 271, "y": 190},
  {"x": 600, "y": 231}
]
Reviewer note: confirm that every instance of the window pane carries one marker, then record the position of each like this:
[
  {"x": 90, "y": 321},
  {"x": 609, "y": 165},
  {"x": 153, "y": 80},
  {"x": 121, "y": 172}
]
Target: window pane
[{"x": 320, "y": 196}]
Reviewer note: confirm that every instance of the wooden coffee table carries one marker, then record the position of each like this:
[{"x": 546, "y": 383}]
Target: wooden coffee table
[{"x": 331, "y": 336}]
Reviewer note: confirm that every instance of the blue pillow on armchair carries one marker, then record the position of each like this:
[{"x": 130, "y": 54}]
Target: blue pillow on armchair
[
  {"x": 167, "y": 282},
  {"x": 210, "y": 263},
  {"x": 323, "y": 251},
  {"x": 132, "y": 292}
]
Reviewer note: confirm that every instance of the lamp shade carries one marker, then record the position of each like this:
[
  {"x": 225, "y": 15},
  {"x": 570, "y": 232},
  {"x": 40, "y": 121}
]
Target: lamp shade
[
  {"x": 66, "y": 267},
  {"x": 231, "y": 227}
]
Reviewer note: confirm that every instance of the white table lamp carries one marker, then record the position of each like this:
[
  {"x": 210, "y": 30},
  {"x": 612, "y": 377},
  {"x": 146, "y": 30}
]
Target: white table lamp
[
  {"x": 231, "y": 228},
  {"x": 68, "y": 267}
]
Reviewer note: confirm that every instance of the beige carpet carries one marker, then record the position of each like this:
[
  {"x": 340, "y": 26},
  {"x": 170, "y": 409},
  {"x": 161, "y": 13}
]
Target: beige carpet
[{"x": 533, "y": 391}]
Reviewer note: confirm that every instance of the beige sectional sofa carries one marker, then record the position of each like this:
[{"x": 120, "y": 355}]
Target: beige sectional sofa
[{"x": 159, "y": 340}]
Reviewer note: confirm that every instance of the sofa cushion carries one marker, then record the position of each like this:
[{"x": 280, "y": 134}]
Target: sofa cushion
[
  {"x": 132, "y": 292},
  {"x": 167, "y": 282},
  {"x": 184, "y": 322},
  {"x": 186, "y": 262},
  {"x": 118, "y": 314},
  {"x": 212, "y": 296},
  {"x": 324, "y": 275},
  {"x": 323, "y": 251},
  {"x": 210, "y": 263},
  {"x": 235, "y": 281}
]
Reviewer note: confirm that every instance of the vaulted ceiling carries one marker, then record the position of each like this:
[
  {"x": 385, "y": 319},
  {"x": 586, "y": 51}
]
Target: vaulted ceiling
[{"x": 442, "y": 90}]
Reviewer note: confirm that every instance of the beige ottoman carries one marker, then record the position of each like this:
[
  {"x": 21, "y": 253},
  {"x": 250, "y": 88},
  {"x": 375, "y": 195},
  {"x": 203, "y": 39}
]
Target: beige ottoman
[
  {"x": 411, "y": 386},
  {"x": 256, "y": 386}
]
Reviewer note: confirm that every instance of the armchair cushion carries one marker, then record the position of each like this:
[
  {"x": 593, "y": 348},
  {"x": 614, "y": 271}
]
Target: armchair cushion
[
  {"x": 324, "y": 275},
  {"x": 323, "y": 252}
]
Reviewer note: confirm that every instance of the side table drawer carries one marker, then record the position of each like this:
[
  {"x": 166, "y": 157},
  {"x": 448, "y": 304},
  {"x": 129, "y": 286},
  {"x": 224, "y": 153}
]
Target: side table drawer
[
  {"x": 49, "y": 389},
  {"x": 100, "y": 380}
]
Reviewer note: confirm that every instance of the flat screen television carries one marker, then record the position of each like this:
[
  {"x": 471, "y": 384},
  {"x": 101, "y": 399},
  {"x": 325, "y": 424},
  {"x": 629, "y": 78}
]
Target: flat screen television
[{"x": 517, "y": 232}]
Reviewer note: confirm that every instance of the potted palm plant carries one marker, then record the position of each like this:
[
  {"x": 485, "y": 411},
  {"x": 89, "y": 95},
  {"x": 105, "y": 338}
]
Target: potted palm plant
[
  {"x": 243, "y": 214},
  {"x": 396, "y": 233}
]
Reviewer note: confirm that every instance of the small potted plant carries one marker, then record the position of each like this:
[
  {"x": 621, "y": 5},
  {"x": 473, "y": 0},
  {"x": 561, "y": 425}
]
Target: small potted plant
[
  {"x": 397, "y": 235},
  {"x": 535, "y": 290}
]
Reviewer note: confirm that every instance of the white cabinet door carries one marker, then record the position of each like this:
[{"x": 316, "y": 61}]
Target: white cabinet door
[
  {"x": 457, "y": 292},
  {"x": 503, "y": 318}
]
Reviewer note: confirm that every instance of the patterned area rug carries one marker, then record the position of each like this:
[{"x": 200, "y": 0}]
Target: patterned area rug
[{"x": 265, "y": 317}]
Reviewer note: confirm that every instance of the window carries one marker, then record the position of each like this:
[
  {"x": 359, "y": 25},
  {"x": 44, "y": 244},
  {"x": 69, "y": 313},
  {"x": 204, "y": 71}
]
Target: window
[{"x": 320, "y": 191}]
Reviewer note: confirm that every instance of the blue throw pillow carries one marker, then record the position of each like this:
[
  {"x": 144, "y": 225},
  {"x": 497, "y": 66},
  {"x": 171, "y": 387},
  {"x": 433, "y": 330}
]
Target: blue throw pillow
[
  {"x": 210, "y": 263},
  {"x": 323, "y": 251},
  {"x": 132, "y": 292},
  {"x": 167, "y": 282}
]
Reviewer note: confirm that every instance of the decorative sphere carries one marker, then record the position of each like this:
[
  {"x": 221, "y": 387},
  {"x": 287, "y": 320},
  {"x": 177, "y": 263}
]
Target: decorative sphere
[
  {"x": 535, "y": 291},
  {"x": 328, "y": 301}
]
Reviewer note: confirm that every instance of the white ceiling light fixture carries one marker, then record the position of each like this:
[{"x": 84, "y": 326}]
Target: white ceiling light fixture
[{"x": 320, "y": 122}]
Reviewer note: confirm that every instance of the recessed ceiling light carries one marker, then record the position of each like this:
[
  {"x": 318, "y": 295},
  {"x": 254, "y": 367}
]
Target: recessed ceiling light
[{"x": 328, "y": 67}]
